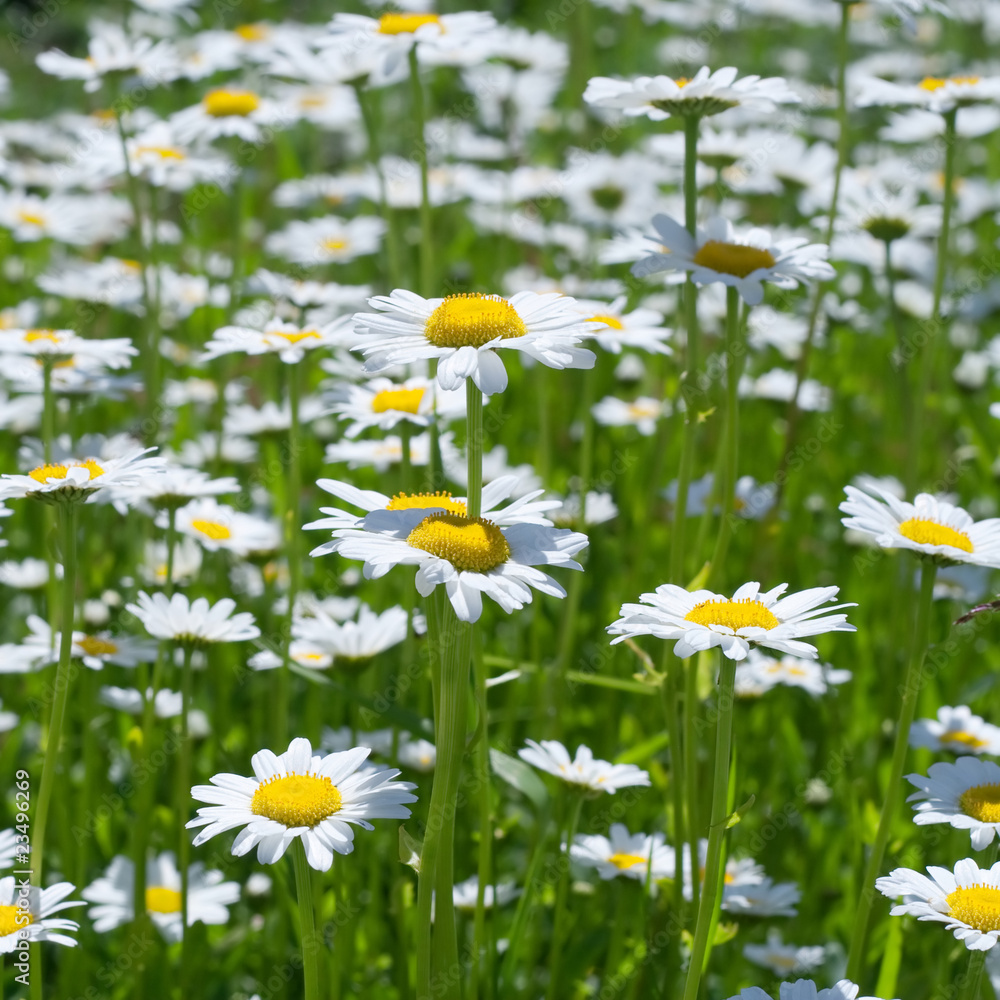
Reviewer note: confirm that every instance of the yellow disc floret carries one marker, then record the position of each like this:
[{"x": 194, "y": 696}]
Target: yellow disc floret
[
  {"x": 962, "y": 738},
  {"x": 405, "y": 24},
  {"x": 732, "y": 258},
  {"x": 296, "y": 799},
  {"x": 404, "y": 400},
  {"x": 625, "y": 861},
  {"x": 159, "y": 899},
  {"x": 470, "y": 544},
  {"x": 427, "y": 501},
  {"x": 224, "y": 103},
  {"x": 13, "y": 919},
  {"x": 982, "y": 803},
  {"x": 471, "y": 319},
  {"x": 926, "y": 532},
  {"x": 976, "y": 905},
  {"x": 612, "y": 322},
  {"x": 59, "y": 470},
  {"x": 732, "y": 614},
  {"x": 94, "y": 645},
  {"x": 294, "y": 338},
  {"x": 212, "y": 529}
]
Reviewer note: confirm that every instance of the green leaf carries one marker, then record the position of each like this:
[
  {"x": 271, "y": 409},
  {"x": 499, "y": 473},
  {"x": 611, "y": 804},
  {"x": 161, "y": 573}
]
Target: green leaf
[
  {"x": 740, "y": 812},
  {"x": 519, "y": 775},
  {"x": 410, "y": 849}
]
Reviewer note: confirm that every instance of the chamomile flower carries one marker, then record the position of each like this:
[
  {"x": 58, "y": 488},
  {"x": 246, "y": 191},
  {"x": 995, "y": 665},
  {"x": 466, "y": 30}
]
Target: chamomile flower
[
  {"x": 699, "y": 619},
  {"x": 928, "y": 526},
  {"x": 466, "y": 893},
  {"x": 330, "y": 240},
  {"x": 465, "y": 331},
  {"x": 966, "y": 900},
  {"x": 706, "y": 93},
  {"x": 167, "y": 704},
  {"x": 229, "y": 111},
  {"x": 94, "y": 650},
  {"x": 622, "y": 854},
  {"x": 218, "y": 526},
  {"x": 383, "y": 403},
  {"x": 175, "y": 486},
  {"x": 742, "y": 261},
  {"x": 583, "y": 769},
  {"x": 468, "y": 556},
  {"x": 195, "y": 622},
  {"x": 66, "y": 346},
  {"x": 288, "y": 340},
  {"x": 805, "y": 989},
  {"x": 112, "y": 895},
  {"x": 641, "y": 329},
  {"x": 297, "y": 794},
  {"x": 784, "y": 959},
  {"x": 936, "y": 93},
  {"x": 642, "y": 413},
  {"x": 761, "y": 672},
  {"x": 31, "y": 917},
  {"x": 12, "y": 848},
  {"x": 965, "y": 794},
  {"x": 352, "y": 644},
  {"x": 958, "y": 730}
]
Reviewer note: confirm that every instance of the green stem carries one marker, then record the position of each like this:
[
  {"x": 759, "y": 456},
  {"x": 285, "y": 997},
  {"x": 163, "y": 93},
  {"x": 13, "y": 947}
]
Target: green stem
[
  {"x": 48, "y": 410},
  {"x": 691, "y": 786},
  {"x": 562, "y": 891},
  {"x": 474, "y": 446},
  {"x": 482, "y": 981},
  {"x": 734, "y": 357},
  {"x": 68, "y": 517},
  {"x": 910, "y": 689},
  {"x": 426, "y": 227},
  {"x": 974, "y": 975},
  {"x": 307, "y": 922},
  {"x": 183, "y": 798},
  {"x": 168, "y": 585},
  {"x": 670, "y": 693},
  {"x": 717, "y": 829}
]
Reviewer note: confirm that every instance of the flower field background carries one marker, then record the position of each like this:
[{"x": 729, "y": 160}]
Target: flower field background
[{"x": 460, "y": 466}]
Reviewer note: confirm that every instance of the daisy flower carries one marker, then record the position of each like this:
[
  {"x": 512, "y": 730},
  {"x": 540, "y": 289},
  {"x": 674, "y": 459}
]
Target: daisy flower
[
  {"x": 61, "y": 346},
  {"x": 175, "y": 485},
  {"x": 936, "y": 93},
  {"x": 112, "y": 895},
  {"x": 465, "y": 331},
  {"x": 966, "y": 901},
  {"x": 628, "y": 855},
  {"x": 642, "y": 413},
  {"x": 966, "y": 795},
  {"x": 80, "y": 480},
  {"x": 229, "y": 111},
  {"x": 383, "y": 403},
  {"x": 699, "y": 619},
  {"x": 217, "y": 526},
  {"x": 94, "y": 650},
  {"x": 386, "y": 452},
  {"x": 805, "y": 989},
  {"x": 706, "y": 93},
  {"x": 167, "y": 704},
  {"x": 288, "y": 340},
  {"x": 469, "y": 556},
  {"x": 330, "y": 240},
  {"x": 13, "y": 849},
  {"x": 583, "y": 770},
  {"x": 741, "y": 261},
  {"x": 297, "y": 794},
  {"x": 466, "y": 893},
  {"x": 958, "y": 730},
  {"x": 928, "y": 526},
  {"x": 195, "y": 622},
  {"x": 27, "y": 914},
  {"x": 641, "y": 329},
  {"x": 784, "y": 959},
  {"x": 761, "y": 672}
]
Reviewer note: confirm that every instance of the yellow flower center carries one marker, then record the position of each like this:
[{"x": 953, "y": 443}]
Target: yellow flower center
[
  {"x": 472, "y": 545},
  {"x": 732, "y": 614},
  {"x": 643, "y": 411},
  {"x": 213, "y": 529},
  {"x": 252, "y": 32},
  {"x": 625, "y": 861},
  {"x": 59, "y": 470},
  {"x": 162, "y": 900},
  {"x": 976, "y": 905},
  {"x": 982, "y": 803},
  {"x": 223, "y": 103},
  {"x": 926, "y": 532},
  {"x": 427, "y": 501},
  {"x": 31, "y": 218},
  {"x": 163, "y": 152},
  {"x": 933, "y": 83},
  {"x": 612, "y": 322},
  {"x": 471, "y": 319},
  {"x": 93, "y": 645},
  {"x": 961, "y": 737},
  {"x": 732, "y": 258},
  {"x": 296, "y": 799},
  {"x": 404, "y": 400},
  {"x": 13, "y": 919},
  {"x": 31, "y": 336},
  {"x": 294, "y": 338},
  {"x": 405, "y": 24}
]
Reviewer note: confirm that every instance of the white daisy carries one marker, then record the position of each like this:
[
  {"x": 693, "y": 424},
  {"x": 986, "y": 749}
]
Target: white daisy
[
  {"x": 381, "y": 454},
  {"x": 805, "y": 989},
  {"x": 331, "y": 240},
  {"x": 288, "y": 340},
  {"x": 466, "y": 893},
  {"x": 167, "y": 704},
  {"x": 641, "y": 329},
  {"x": 699, "y": 619},
  {"x": 642, "y": 413},
  {"x": 784, "y": 959},
  {"x": 965, "y": 794},
  {"x": 761, "y": 672},
  {"x": 8, "y": 721},
  {"x": 353, "y": 643},
  {"x": 935, "y": 93},
  {"x": 95, "y": 650},
  {"x": 13, "y": 848},
  {"x": 622, "y": 854},
  {"x": 465, "y": 331},
  {"x": 382, "y": 403},
  {"x": 469, "y": 556},
  {"x": 706, "y": 93},
  {"x": 26, "y": 914},
  {"x": 928, "y": 526},
  {"x": 741, "y": 261},
  {"x": 112, "y": 895},
  {"x": 229, "y": 111},
  {"x": 966, "y": 901},
  {"x": 194, "y": 622},
  {"x": 218, "y": 526},
  {"x": 68, "y": 347},
  {"x": 297, "y": 794},
  {"x": 583, "y": 769},
  {"x": 958, "y": 730},
  {"x": 596, "y": 508},
  {"x": 174, "y": 486}
]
